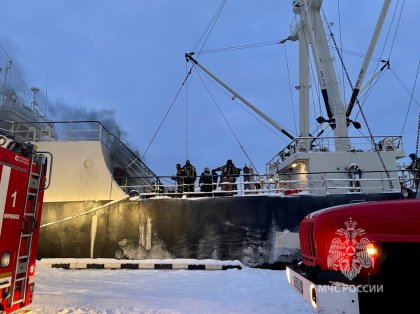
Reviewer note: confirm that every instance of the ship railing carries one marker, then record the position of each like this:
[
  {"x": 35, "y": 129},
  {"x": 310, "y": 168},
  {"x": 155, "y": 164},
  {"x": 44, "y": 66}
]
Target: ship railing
[
  {"x": 123, "y": 159},
  {"x": 9, "y": 97},
  {"x": 51, "y": 131},
  {"x": 267, "y": 185},
  {"x": 327, "y": 144}
]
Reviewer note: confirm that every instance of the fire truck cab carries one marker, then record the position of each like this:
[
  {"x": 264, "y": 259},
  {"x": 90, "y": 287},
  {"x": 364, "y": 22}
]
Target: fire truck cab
[
  {"x": 360, "y": 258},
  {"x": 22, "y": 184}
]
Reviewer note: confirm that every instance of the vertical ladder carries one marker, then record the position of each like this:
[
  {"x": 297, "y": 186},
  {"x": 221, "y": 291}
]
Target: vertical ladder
[{"x": 21, "y": 274}]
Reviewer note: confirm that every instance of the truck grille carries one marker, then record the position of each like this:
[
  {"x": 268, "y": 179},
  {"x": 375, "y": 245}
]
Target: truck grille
[{"x": 307, "y": 245}]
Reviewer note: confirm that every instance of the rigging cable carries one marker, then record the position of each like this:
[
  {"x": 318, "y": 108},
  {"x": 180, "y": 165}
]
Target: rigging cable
[
  {"x": 358, "y": 103},
  {"x": 338, "y": 51},
  {"x": 18, "y": 73},
  {"x": 186, "y": 116},
  {"x": 248, "y": 110},
  {"x": 409, "y": 105},
  {"x": 274, "y": 43},
  {"x": 366, "y": 95},
  {"x": 240, "y": 47},
  {"x": 166, "y": 114},
  {"x": 46, "y": 93},
  {"x": 398, "y": 25},
  {"x": 405, "y": 87},
  {"x": 369, "y": 88},
  {"x": 206, "y": 34},
  {"x": 208, "y": 30},
  {"x": 224, "y": 118},
  {"x": 373, "y": 83}
]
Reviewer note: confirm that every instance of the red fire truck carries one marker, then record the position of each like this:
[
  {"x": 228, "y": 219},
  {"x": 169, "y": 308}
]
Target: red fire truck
[
  {"x": 360, "y": 258},
  {"x": 22, "y": 184}
]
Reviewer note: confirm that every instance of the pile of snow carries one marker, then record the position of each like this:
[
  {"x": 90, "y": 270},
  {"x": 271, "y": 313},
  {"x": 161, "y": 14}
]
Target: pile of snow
[{"x": 164, "y": 291}]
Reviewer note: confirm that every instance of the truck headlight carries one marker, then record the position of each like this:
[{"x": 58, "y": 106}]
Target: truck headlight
[
  {"x": 288, "y": 275},
  {"x": 371, "y": 250},
  {"x": 312, "y": 291},
  {"x": 5, "y": 259},
  {"x": 3, "y": 140}
]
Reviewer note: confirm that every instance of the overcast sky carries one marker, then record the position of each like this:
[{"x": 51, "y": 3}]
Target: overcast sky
[{"x": 127, "y": 57}]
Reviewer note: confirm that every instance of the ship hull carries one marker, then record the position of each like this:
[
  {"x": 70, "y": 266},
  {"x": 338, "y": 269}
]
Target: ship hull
[{"x": 251, "y": 229}]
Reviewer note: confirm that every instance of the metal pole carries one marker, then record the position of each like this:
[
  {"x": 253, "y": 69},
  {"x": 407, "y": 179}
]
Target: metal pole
[
  {"x": 334, "y": 103},
  {"x": 368, "y": 56},
  {"x": 303, "y": 85}
]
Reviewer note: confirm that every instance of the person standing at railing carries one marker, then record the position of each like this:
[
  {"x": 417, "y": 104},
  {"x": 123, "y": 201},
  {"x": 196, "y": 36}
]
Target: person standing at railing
[
  {"x": 179, "y": 178},
  {"x": 214, "y": 177},
  {"x": 249, "y": 177},
  {"x": 414, "y": 168},
  {"x": 228, "y": 176},
  {"x": 158, "y": 186},
  {"x": 206, "y": 182},
  {"x": 190, "y": 176}
]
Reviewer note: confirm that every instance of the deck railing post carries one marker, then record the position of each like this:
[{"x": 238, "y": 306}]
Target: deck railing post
[{"x": 325, "y": 182}]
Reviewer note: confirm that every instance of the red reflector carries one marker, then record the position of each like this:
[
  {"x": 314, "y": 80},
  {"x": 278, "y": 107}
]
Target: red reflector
[{"x": 32, "y": 270}]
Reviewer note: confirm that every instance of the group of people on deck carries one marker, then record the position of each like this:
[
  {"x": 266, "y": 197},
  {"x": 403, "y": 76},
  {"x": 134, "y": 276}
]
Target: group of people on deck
[{"x": 186, "y": 176}]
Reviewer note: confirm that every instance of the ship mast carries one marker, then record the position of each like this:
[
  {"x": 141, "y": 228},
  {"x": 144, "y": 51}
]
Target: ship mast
[
  {"x": 311, "y": 35},
  {"x": 310, "y": 20}
]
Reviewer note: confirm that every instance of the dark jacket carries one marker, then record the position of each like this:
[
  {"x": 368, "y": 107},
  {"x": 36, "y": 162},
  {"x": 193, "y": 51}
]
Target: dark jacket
[
  {"x": 190, "y": 173},
  {"x": 414, "y": 167},
  {"x": 228, "y": 171},
  {"x": 180, "y": 174},
  {"x": 206, "y": 182}
]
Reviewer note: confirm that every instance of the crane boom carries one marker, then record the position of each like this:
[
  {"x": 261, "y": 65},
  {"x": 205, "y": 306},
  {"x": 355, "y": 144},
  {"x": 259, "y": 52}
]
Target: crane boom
[{"x": 189, "y": 57}]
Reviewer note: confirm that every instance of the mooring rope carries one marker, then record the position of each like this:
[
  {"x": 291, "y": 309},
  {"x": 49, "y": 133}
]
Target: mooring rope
[{"x": 86, "y": 212}]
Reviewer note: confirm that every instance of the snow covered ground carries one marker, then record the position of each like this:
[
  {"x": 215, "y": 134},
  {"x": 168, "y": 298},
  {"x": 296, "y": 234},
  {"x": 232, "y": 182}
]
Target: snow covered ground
[{"x": 164, "y": 291}]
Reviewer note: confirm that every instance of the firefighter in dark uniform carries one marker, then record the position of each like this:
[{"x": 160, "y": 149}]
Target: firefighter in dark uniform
[
  {"x": 214, "y": 177},
  {"x": 190, "y": 176},
  {"x": 179, "y": 178},
  {"x": 414, "y": 168},
  {"x": 158, "y": 186},
  {"x": 228, "y": 176},
  {"x": 206, "y": 182}
]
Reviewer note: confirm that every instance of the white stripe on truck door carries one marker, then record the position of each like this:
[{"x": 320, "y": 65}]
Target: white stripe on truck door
[{"x": 4, "y": 185}]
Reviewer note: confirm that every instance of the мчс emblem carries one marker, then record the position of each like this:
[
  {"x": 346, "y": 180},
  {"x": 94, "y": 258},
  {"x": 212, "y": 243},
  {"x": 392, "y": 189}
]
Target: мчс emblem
[{"x": 348, "y": 252}]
